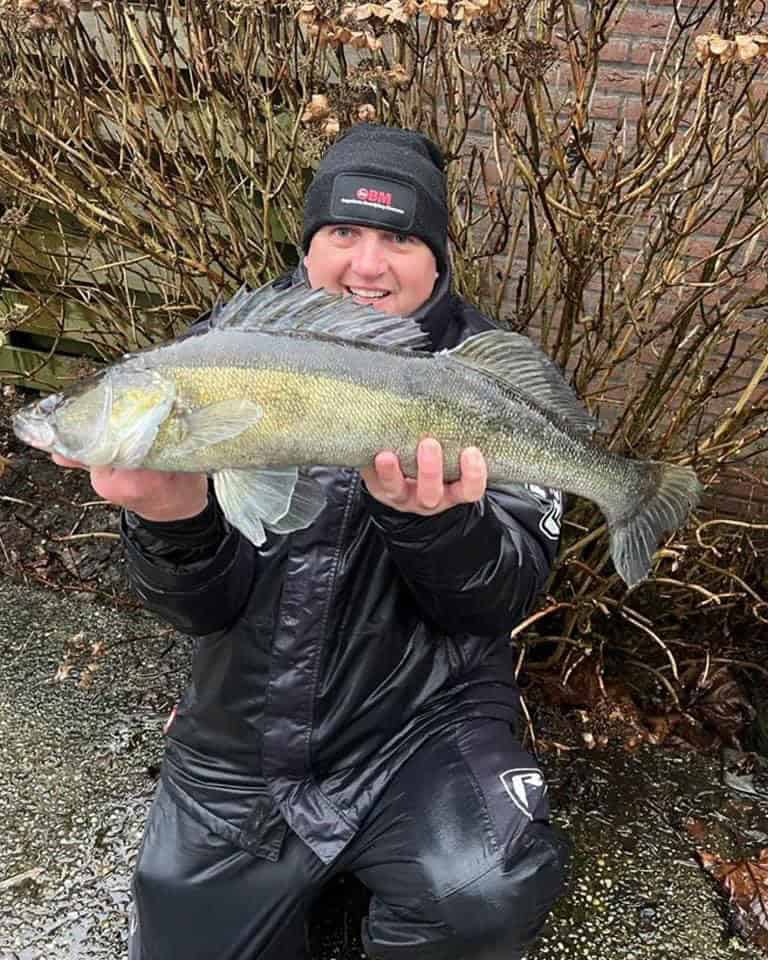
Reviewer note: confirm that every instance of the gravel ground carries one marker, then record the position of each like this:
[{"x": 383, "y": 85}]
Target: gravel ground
[{"x": 78, "y": 767}]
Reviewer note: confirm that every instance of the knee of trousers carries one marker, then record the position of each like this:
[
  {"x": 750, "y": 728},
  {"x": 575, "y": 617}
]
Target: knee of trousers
[
  {"x": 506, "y": 907},
  {"x": 150, "y": 880}
]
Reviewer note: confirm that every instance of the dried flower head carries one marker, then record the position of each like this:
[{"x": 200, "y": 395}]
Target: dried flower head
[
  {"x": 39, "y": 15},
  {"x": 386, "y": 13},
  {"x": 318, "y": 108},
  {"x": 398, "y": 76},
  {"x": 436, "y": 9},
  {"x": 366, "y": 113},
  {"x": 746, "y": 47},
  {"x": 467, "y": 11},
  {"x": 331, "y": 127},
  {"x": 534, "y": 57}
]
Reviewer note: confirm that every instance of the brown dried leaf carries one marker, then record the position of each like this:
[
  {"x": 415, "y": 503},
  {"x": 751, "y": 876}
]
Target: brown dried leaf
[
  {"x": 746, "y": 47},
  {"x": 746, "y": 884},
  {"x": 718, "y": 45},
  {"x": 363, "y": 40},
  {"x": 467, "y": 11},
  {"x": 702, "y": 47},
  {"x": 717, "y": 700},
  {"x": 696, "y": 829},
  {"x": 608, "y": 712},
  {"x": 724, "y": 49},
  {"x": 340, "y": 35},
  {"x": 308, "y": 14},
  {"x": 437, "y": 9},
  {"x": 62, "y": 672},
  {"x": 396, "y": 12},
  {"x": 398, "y": 76},
  {"x": 86, "y": 677}
]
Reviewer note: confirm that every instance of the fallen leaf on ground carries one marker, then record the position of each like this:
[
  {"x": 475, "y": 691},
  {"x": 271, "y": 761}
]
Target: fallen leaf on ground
[{"x": 746, "y": 884}]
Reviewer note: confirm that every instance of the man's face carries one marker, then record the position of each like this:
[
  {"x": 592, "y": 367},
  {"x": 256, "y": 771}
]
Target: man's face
[{"x": 393, "y": 272}]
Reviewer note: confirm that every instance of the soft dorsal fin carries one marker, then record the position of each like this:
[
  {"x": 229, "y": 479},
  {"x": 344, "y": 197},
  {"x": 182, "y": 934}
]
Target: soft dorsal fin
[
  {"x": 520, "y": 363},
  {"x": 303, "y": 310}
]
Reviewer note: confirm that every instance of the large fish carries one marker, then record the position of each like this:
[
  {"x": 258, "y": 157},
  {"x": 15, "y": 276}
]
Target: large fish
[{"x": 286, "y": 379}]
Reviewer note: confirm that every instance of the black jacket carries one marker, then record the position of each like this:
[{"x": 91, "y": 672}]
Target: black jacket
[{"x": 327, "y": 656}]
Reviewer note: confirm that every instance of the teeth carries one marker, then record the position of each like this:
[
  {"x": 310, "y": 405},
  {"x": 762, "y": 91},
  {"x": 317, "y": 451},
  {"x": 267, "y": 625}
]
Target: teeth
[{"x": 368, "y": 294}]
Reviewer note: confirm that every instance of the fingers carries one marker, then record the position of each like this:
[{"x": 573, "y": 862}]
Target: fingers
[
  {"x": 389, "y": 479},
  {"x": 474, "y": 476},
  {"x": 65, "y": 462},
  {"x": 428, "y": 493},
  {"x": 430, "y": 488},
  {"x": 154, "y": 495}
]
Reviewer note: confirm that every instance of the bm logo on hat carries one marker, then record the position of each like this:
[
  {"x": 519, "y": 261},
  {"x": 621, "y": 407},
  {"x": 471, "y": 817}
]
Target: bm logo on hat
[
  {"x": 374, "y": 196},
  {"x": 380, "y": 202}
]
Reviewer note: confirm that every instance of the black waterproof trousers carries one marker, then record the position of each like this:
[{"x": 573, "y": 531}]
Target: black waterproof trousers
[{"x": 458, "y": 855}]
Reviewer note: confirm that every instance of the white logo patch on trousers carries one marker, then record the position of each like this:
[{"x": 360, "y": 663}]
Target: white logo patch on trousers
[{"x": 525, "y": 787}]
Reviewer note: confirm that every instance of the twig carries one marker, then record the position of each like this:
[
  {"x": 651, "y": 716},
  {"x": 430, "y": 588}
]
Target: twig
[
  {"x": 21, "y": 878},
  {"x": 631, "y": 617},
  {"x": 525, "y": 624},
  {"x": 659, "y": 676},
  {"x": 529, "y": 724},
  {"x": 23, "y": 503},
  {"x": 86, "y": 536}
]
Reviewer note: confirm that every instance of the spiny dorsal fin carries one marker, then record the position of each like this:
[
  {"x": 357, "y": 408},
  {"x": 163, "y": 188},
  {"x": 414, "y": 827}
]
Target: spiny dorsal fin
[
  {"x": 300, "y": 309},
  {"x": 520, "y": 363}
]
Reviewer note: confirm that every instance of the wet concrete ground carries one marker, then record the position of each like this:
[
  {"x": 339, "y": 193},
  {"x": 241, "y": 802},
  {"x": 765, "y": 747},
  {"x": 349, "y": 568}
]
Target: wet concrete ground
[{"x": 78, "y": 768}]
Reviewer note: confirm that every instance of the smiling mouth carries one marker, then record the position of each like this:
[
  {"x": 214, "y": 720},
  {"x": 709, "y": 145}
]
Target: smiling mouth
[{"x": 362, "y": 293}]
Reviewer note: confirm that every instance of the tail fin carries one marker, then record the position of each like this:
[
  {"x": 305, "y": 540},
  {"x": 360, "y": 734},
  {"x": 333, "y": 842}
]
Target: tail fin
[{"x": 635, "y": 537}]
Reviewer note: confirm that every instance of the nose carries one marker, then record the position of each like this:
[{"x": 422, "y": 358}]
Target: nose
[{"x": 368, "y": 257}]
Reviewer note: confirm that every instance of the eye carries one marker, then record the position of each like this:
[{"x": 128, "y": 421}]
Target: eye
[
  {"x": 400, "y": 239},
  {"x": 342, "y": 232}
]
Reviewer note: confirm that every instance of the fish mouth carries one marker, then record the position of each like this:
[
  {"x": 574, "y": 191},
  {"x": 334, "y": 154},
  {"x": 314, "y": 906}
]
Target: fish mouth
[{"x": 34, "y": 429}]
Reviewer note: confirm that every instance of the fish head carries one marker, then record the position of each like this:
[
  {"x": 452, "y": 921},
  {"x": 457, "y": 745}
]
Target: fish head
[{"x": 111, "y": 417}]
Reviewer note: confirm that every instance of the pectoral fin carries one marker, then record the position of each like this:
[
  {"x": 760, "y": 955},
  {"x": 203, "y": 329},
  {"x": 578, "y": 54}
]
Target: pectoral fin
[
  {"x": 280, "y": 500},
  {"x": 216, "y": 422}
]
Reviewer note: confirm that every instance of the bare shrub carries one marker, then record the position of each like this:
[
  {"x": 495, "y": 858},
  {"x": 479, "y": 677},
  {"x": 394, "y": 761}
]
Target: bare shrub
[{"x": 153, "y": 156}]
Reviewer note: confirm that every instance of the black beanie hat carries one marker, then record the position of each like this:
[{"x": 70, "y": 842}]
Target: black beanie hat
[{"x": 381, "y": 177}]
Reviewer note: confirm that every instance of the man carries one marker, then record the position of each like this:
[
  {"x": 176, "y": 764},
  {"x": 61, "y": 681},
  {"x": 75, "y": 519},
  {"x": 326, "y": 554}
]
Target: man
[{"x": 352, "y": 706}]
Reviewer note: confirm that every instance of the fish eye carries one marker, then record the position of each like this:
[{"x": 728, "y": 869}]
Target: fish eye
[{"x": 50, "y": 403}]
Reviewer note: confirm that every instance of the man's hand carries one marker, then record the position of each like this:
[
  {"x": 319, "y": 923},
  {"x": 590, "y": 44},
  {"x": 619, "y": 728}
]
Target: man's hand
[
  {"x": 427, "y": 494},
  {"x": 153, "y": 495}
]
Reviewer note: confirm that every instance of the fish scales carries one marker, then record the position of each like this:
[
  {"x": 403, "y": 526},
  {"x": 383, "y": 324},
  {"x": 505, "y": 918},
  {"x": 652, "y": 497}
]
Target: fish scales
[
  {"x": 289, "y": 379},
  {"x": 323, "y": 405}
]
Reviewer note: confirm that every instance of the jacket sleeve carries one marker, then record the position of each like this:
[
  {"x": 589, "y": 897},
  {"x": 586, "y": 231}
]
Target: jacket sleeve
[
  {"x": 476, "y": 567},
  {"x": 196, "y": 574}
]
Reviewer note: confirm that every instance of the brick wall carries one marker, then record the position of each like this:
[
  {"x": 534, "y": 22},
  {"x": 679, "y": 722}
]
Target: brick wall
[{"x": 626, "y": 61}]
